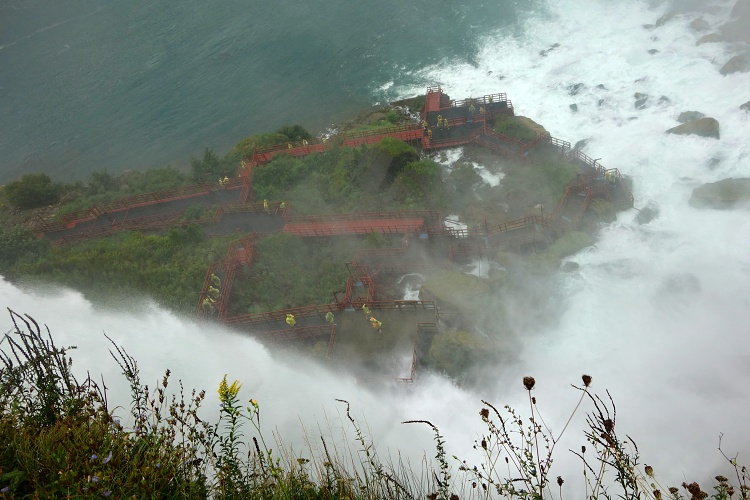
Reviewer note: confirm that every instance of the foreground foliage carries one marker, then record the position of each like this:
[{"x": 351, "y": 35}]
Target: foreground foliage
[{"x": 59, "y": 438}]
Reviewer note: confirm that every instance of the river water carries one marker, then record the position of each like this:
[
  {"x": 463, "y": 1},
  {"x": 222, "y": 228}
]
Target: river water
[{"x": 658, "y": 313}]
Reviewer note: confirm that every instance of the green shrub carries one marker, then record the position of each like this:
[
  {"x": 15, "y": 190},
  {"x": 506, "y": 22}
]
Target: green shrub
[
  {"x": 393, "y": 116},
  {"x": 33, "y": 190},
  {"x": 295, "y": 133},
  {"x": 18, "y": 243},
  {"x": 455, "y": 353}
]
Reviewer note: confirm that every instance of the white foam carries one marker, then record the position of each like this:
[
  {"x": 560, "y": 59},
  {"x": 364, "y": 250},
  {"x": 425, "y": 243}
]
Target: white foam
[
  {"x": 490, "y": 178},
  {"x": 676, "y": 363}
]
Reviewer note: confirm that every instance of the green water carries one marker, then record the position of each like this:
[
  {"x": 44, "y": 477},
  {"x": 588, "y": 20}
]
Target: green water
[{"x": 89, "y": 85}]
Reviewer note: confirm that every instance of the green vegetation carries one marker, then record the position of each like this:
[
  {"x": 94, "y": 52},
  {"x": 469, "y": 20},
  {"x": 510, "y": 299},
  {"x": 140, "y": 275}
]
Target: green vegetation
[
  {"x": 60, "y": 439},
  {"x": 33, "y": 190},
  {"x": 169, "y": 268},
  {"x": 544, "y": 182},
  {"x": 516, "y": 127},
  {"x": 457, "y": 354},
  {"x": 290, "y": 271},
  {"x": 385, "y": 176}
]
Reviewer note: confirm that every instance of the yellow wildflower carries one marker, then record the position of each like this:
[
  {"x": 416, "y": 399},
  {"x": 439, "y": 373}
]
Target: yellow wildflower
[{"x": 228, "y": 392}]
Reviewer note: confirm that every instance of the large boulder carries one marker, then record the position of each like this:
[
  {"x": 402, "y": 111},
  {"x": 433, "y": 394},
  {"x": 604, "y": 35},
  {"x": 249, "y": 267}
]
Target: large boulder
[
  {"x": 737, "y": 64},
  {"x": 648, "y": 213},
  {"x": 710, "y": 38},
  {"x": 704, "y": 127},
  {"x": 690, "y": 116},
  {"x": 738, "y": 29},
  {"x": 699, "y": 24},
  {"x": 727, "y": 193},
  {"x": 741, "y": 9}
]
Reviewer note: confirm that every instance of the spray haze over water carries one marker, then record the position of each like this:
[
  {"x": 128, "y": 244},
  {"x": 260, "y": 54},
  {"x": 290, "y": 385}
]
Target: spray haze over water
[{"x": 656, "y": 312}]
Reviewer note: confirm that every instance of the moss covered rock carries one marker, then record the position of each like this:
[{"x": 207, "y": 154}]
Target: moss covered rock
[
  {"x": 727, "y": 193},
  {"x": 704, "y": 127}
]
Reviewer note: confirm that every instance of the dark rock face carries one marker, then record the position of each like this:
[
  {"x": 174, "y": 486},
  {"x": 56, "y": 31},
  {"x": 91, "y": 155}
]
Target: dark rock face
[
  {"x": 648, "y": 213},
  {"x": 575, "y": 88},
  {"x": 741, "y": 9},
  {"x": 574, "y": 108},
  {"x": 746, "y": 106},
  {"x": 652, "y": 51},
  {"x": 689, "y": 116},
  {"x": 725, "y": 194},
  {"x": 738, "y": 29},
  {"x": 704, "y": 127}
]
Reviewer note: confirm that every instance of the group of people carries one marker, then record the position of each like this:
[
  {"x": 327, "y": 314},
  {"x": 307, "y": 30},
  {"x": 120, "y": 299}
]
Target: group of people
[
  {"x": 266, "y": 207},
  {"x": 214, "y": 291},
  {"x": 373, "y": 321}
]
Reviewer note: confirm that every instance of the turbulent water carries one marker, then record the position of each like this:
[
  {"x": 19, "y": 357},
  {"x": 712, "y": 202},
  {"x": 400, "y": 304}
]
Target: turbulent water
[{"x": 657, "y": 313}]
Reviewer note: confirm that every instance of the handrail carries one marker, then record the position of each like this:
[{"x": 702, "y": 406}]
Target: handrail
[{"x": 405, "y": 214}]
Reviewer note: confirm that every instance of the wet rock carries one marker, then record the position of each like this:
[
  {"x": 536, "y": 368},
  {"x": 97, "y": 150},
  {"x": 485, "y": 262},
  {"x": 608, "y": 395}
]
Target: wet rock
[
  {"x": 648, "y": 26},
  {"x": 575, "y": 88},
  {"x": 665, "y": 18},
  {"x": 601, "y": 86},
  {"x": 713, "y": 163},
  {"x": 640, "y": 100},
  {"x": 699, "y": 24},
  {"x": 737, "y": 29},
  {"x": 602, "y": 210},
  {"x": 574, "y": 108},
  {"x": 746, "y": 106},
  {"x": 689, "y": 116},
  {"x": 725, "y": 194},
  {"x": 601, "y": 102},
  {"x": 738, "y": 64},
  {"x": 569, "y": 267},
  {"x": 652, "y": 51},
  {"x": 710, "y": 38},
  {"x": 665, "y": 100},
  {"x": 703, "y": 127},
  {"x": 648, "y": 213},
  {"x": 552, "y": 47}
]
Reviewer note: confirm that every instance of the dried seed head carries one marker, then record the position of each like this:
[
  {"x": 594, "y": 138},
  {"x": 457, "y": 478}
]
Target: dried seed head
[
  {"x": 528, "y": 383},
  {"x": 721, "y": 479},
  {"x": 533, "y": 400},
  {"x": 484, "y": 444},
  {"x": 609, "y": 425},
  {"x": 649, "y": 471},
  {"x": 657, "y": 494},
  {"x": 730, "y": 491},
  {"x": 454, "y": 497},
  {"x": 583, "y": 449},
  {"x": 560, "y": 481},
  {"x": 586, "y": 380},
  {"x": 484, "y": 412},
  {"x": 673, "y": 490},
  {"x": 694, "y": 489}
]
